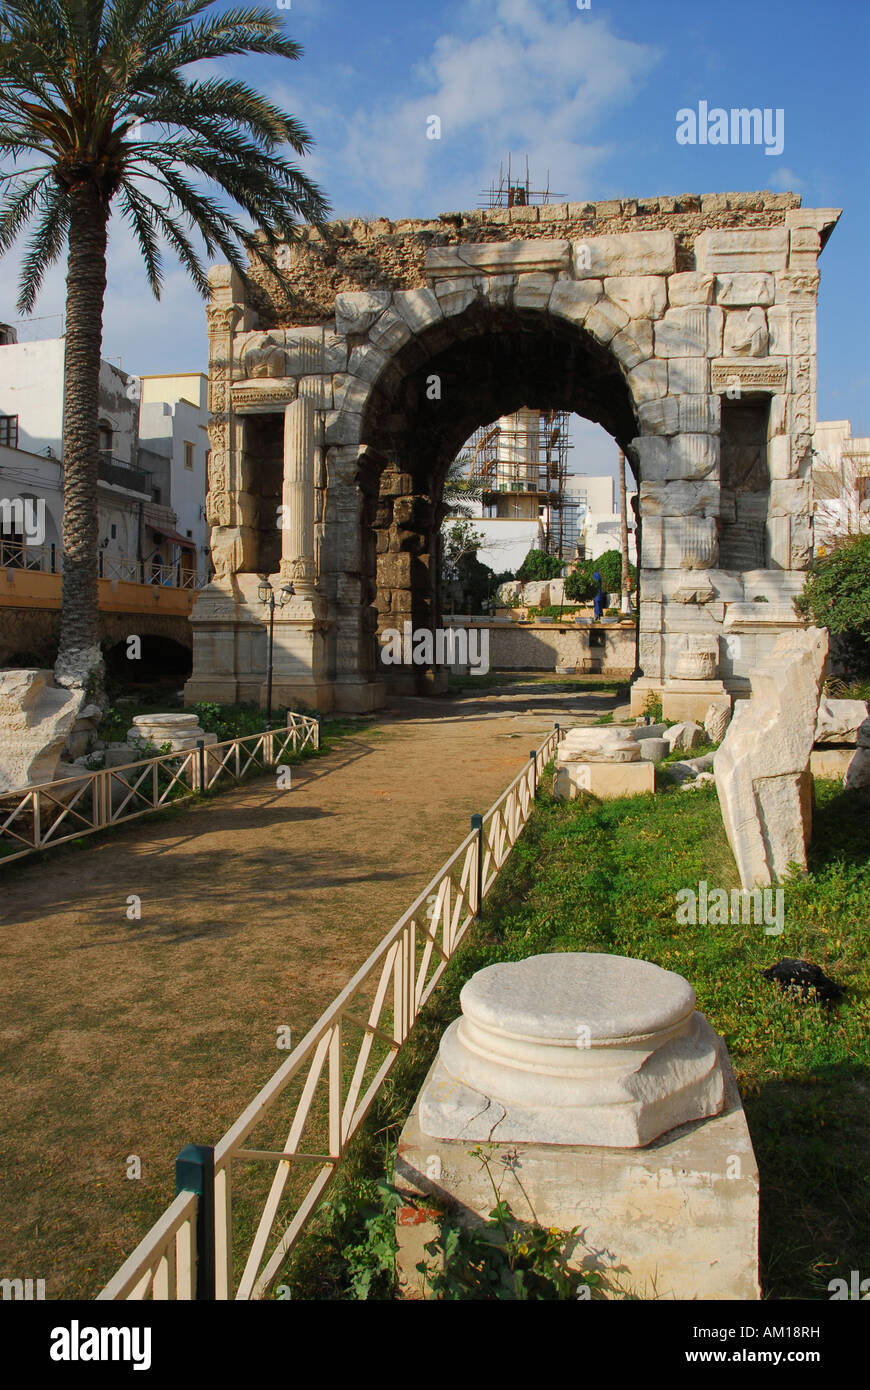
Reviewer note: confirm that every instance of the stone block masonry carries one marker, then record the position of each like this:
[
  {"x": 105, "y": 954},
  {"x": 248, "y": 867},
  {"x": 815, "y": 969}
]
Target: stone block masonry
[{"x": 684, "y": 325}]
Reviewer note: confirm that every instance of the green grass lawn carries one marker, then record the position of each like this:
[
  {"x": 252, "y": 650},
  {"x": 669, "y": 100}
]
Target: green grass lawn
[{"x": 589, "y": 876}]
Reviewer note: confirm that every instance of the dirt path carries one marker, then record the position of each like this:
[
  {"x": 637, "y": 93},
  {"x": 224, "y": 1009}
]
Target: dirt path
[{"x": 132, "y": 1037}]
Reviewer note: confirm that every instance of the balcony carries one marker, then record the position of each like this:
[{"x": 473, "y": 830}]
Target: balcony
[{"x": 123, "y": 474}]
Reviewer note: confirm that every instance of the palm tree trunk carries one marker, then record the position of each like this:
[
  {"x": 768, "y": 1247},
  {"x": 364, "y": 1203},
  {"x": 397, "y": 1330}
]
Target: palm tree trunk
[
  {"x": 79, "y": 661},
  {"x": 623, "y": 531}
]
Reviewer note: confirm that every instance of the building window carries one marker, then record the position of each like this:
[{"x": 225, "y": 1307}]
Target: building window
[
  {"x": 105, "y": 437},
  {"x": 113, "y": 530},
  {"x": 9, "y": 431},
  {"x": 188, "y": 454}
]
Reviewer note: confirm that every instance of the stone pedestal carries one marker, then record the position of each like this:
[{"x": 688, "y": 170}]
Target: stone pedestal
[
  {"x": 605, "y": 761},
  {"x": 675, "y": 1220},
  {"x": 614, "y": 1102}
]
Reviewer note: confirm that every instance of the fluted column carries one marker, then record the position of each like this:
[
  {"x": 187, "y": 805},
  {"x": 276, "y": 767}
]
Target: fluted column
[{"x": 297, "y": 530}]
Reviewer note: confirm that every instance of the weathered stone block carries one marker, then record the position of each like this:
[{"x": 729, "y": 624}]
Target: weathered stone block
[
  {"x": 839, "y": 721},
  {"x": 573, "y": 301},
  {"x": 648, "y": 381},
  {"x": 633, "y": 344},
  {"x": 497, "y": 257},
  {"x": 692, "y": 332},
  {"x": 419, "y": 308},
  {"x": 688, "y": 376},
  {"x": 745, "y": 333},
  {"x": 455, "y": 295},
  {"x": 679, "y": 499},
  {"x": 356, "y": 310},
  {"x": 641, "y": 296},
  {"x": 660, "y": 417},
  {"x": 750, "y": 248},
  {"x": 390, "y": 332},
  {"x": 605, "y": 319},
  {"x": 744, "y": 288},
  {"x": 533, "y": 290},
  {"x": 367, "y": 363},
  {"x": 625, "y": 253},
  {"x": 690, "y": 287},
  {"x": 36, "y": 718}
]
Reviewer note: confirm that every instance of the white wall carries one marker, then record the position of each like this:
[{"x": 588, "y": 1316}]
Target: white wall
[
  {"x": 31, "y": 387},
  {"x": 174, "y": 411}
]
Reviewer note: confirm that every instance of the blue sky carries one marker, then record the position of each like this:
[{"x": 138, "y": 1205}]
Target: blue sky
[{"x": 591, "y": 95}]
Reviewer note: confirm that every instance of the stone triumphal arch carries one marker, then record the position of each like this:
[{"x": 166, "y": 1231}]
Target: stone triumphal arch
[{"x": 685, "y": 326}]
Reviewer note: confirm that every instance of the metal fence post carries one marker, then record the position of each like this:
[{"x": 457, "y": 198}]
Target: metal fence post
[
  {"x": 194, "y": 1172},
  {"x": 533, "y": 758},
  {"x": 319, "y": 719},
  {"x": 200, "y": 748},
  {"x": 477, "y": 824}
]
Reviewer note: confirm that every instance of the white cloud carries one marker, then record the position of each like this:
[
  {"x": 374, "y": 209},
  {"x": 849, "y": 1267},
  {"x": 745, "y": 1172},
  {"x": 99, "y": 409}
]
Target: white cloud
[
  {"x": 787, "y": 180},
  {"x": 522, "y": 80}
]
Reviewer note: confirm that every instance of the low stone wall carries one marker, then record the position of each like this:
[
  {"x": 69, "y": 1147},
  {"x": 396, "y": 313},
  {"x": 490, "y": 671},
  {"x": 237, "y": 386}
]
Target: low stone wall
[
  {"x": 605, "y": 650},
  {"x": 34, "y": 632}
]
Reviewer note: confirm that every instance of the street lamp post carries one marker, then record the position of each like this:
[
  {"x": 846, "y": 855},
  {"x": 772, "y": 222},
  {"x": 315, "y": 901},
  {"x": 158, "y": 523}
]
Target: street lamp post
[{"x": 266, "y": 594}]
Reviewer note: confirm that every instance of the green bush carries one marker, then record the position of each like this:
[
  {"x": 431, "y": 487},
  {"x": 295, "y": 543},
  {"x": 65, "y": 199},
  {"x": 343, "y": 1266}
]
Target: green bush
[
  {"x": 581, "y": 586},
  {"x": 539, "y": 565},
  {"x": 837, "y": 596}
]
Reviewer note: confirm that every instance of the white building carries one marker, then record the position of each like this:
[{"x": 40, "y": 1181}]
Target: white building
[
  {"x": 601, "y": 529},
  {"x": 139, "y": 538},
  {"x": 173, "y": 421}
]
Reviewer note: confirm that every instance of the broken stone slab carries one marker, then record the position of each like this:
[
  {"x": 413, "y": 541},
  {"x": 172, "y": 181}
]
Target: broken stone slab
[
  {"x": 599, "y": 744},
  {"x": 839, "y": 721},
  {"x": 36, "y": 719},
  {"x": 684, "y": 736},
  {"x": 573, "y": 1048},
  {"x": 642, "y": 731},
  {"x": 762, "y": 765},
  {"x": 703, "y": 779},
  {"x": 716, "y": 721}
]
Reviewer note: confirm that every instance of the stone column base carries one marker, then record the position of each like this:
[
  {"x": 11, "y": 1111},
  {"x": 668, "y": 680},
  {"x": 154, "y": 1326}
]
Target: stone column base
[
  {"x": 678, "y": 1219},
  {"x": 683, "y": 699}
]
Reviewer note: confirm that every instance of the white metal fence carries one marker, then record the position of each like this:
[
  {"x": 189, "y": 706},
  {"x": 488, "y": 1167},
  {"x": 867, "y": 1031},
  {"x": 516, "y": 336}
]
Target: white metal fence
[
  {"x": 67, "y": 809},
  {"x": 311, "y": 1108}
]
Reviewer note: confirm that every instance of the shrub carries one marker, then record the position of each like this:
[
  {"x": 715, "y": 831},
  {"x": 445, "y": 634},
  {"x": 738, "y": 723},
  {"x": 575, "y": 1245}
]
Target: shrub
[
  {"x": 539, "y": 565},
  {"x": 580, "y": 585},
  {"x": 837, "y": 596}
]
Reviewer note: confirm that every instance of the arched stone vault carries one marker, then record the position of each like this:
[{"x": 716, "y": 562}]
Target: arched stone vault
[{"x": 685, "y": 327}]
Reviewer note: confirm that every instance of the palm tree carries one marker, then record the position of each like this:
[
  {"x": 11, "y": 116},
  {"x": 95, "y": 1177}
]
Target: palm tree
[{"x": 95, "y": 113}]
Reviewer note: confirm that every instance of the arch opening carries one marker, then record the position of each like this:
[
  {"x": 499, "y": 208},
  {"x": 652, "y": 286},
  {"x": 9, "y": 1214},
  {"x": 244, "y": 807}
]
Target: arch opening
[{"x": 462, "y": 374}]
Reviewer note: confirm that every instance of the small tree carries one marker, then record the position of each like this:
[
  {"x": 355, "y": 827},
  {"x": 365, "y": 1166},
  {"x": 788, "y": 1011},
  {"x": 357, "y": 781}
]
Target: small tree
[
  {"x": 539, "y": 565},
  {"x": 580, "y": 585},
  {"x": 837, "y": 596}
]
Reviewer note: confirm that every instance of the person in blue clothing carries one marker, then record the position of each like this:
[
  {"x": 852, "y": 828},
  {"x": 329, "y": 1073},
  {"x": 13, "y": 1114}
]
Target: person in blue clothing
[{"x": 598, "y": 601}]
